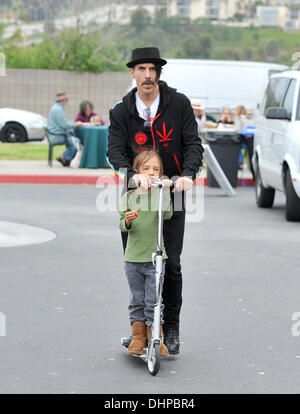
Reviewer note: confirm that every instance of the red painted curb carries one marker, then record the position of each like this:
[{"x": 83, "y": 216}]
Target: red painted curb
[
  {"x": 91, "y": 180},
  {"x": 246, "y": 182},
  {"x": 47, "y": 179}
]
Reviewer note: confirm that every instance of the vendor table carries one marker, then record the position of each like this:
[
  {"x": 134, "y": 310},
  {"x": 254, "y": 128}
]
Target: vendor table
[{"x": 94, "y": 140}]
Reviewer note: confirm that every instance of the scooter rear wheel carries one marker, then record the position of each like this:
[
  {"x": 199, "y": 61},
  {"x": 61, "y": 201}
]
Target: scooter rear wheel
[{"x": 154, "y": 359}]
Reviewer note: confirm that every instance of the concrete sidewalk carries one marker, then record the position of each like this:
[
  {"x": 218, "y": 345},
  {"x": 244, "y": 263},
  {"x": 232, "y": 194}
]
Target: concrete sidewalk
[{"x": 40, "y": 172}]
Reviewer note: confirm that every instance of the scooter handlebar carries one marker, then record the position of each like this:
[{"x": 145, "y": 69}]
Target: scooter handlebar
[{"x": 155, "y": 184}]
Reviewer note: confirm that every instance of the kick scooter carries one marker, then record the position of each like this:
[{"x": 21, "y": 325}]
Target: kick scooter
[{"x": 151, "y": 354}]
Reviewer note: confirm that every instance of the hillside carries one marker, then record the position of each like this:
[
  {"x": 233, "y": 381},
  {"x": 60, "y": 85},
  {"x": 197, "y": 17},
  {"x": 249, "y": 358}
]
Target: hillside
[{"x": 98, "y": 48}]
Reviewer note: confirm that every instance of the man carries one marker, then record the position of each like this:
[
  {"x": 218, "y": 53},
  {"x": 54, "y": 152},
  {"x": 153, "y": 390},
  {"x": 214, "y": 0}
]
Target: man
[
  {"x": 226, "y": 116},
  {"x": 154, "y": 116},
  {"x": 58, "y": 124},
  {"x": 199, "y": 113}
]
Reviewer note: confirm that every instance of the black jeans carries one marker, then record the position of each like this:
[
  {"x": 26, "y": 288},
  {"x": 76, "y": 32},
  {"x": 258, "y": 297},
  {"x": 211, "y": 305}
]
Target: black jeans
[{"x": 172, "y": 289}]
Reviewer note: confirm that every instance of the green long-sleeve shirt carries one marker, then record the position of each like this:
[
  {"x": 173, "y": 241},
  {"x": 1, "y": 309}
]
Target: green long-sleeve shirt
[{"x": 142, "y": 235}]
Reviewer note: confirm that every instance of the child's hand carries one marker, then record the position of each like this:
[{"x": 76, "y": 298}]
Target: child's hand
[{"x": 129, "y": 217}]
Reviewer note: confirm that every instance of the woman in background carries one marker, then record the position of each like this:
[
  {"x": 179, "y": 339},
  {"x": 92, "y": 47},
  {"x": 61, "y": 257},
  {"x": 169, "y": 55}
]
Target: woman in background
[
  {"x": 242, "y": 120},
  {"x": 87, "y": 115}
]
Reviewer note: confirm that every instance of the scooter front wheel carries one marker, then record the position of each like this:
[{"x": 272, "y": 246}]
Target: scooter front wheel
[{"x": 154, "y": 358}]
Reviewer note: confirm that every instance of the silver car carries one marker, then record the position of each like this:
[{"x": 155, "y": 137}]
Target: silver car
[{"x": 17, "y": 125}]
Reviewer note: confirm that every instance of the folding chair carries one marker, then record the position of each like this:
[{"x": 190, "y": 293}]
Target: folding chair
[{"x": 51, "y": 144}]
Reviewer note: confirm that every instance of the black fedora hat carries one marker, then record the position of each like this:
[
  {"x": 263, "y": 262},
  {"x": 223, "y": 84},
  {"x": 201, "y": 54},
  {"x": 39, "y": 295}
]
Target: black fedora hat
[{"x": 145, "y": 55}]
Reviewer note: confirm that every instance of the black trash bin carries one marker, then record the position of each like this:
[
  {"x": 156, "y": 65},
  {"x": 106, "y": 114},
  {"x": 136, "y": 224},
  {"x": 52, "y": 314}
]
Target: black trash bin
[{"x": 226, "y": 147}]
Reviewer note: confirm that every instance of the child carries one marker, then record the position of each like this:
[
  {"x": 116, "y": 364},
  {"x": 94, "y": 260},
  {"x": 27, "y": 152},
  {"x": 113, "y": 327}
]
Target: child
[{"x": 139, "y": 217}]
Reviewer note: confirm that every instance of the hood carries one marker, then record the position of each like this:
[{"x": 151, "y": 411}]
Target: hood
[
  {"x": 18, "y": 114},
  {"x": 166, "y": 95}
]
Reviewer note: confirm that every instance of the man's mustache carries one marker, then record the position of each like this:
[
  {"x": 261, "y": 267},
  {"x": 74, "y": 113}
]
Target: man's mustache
[{"x": 148, "y": 83}]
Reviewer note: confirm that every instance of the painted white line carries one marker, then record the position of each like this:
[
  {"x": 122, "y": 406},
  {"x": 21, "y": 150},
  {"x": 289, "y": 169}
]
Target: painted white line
[{"x": 16, "y": 234}]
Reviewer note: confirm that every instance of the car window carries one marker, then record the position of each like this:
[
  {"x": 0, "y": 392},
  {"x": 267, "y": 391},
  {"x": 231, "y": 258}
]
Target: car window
[
  {"x": 273, "y": 72},
  {"x": 289, "y": 97},
  {"x": 275, "y": 92}
]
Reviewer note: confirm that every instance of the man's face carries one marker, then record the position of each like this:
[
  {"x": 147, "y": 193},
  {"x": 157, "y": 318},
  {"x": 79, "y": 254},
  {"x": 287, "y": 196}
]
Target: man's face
[
  {"x": 145, "y": 77},
  {"x": 226, "y": 114}
]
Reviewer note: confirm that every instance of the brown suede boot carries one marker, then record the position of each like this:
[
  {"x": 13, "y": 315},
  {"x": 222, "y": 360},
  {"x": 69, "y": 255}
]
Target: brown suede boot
[
  {"x": 138, "y": 343},
  {"x": 163, "y": 349}
]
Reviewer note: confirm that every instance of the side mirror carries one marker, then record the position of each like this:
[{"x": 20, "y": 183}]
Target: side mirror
[{"x": 278, "y": 113}]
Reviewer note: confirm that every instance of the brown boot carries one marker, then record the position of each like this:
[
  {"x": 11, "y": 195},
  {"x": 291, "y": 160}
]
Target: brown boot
[
  {"x": 138, "y": 343},
  {"x": 163, "y": 349}
]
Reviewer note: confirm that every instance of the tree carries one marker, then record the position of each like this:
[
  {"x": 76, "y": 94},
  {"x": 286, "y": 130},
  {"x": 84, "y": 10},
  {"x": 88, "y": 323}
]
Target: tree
[
  {"x": 196, "y": 47},
  {"x": 239, "y": 17},
  {"x": 67, "y": 50},
  {"x": 140, "y": 19},
  {"x": 272, "y": 50},
  {"x": 2, "y": 26}
]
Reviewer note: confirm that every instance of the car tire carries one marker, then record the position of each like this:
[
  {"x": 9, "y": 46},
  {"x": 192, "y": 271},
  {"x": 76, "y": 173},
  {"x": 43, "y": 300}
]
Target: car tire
[
  {"x": 12, "y": 133},
  {"x": 264, "y": 196},
  {"x": 292, "y": 206}
]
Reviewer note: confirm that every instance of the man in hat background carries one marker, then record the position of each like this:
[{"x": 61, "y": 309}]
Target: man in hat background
[
  {"x": 58, "y": 123},
  {"x": 199, "y": 113},
  {"x": 154, "y": 116}
]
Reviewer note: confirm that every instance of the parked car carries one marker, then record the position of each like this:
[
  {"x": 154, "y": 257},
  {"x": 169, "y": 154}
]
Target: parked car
[
  {"x": 17, "y": 125},
  {"x": 276, "y": 155}
]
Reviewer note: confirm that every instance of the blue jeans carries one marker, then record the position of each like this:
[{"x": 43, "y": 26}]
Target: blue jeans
[{"x": 67, "y": 154}]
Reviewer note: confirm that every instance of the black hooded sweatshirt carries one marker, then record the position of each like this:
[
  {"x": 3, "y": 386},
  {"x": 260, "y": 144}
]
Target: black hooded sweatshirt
[{"x": 173, "y": 135}]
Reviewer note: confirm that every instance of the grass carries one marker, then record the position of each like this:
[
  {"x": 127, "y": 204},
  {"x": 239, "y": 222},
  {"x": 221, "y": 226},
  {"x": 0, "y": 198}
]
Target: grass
[{"x": 36, "y": 152}]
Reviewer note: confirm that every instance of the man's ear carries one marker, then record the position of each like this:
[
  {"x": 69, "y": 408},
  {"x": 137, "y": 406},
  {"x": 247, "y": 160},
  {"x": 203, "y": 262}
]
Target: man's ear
[{"x": 132, "y": 72}]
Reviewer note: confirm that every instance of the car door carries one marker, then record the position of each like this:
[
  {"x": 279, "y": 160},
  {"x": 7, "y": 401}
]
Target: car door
[
  {"x": 268, "y": 128},
  {"x": 280, "y": 136}
]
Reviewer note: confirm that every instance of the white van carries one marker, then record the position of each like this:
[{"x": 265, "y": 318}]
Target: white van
[
  {"x": 220, "y": 83},
  {"x": 276, "y": 153}
]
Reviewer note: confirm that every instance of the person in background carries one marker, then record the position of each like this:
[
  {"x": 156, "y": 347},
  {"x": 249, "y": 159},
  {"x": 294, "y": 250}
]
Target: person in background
[
  {"x": 199, "y": 113},
  {"x": 226, "y": 117},
  {"x": 241, "y": 121},
  {"x": 58, "y": 123},
  {"x": 241, "y": 118},
  {"x": 87, "y": 115}
]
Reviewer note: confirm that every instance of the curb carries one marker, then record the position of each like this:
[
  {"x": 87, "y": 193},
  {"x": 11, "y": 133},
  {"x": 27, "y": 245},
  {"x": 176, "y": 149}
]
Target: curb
[{"x": 81, "y": 179}]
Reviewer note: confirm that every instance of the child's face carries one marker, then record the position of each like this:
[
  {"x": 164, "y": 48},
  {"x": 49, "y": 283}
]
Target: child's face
[{"x": 150, "y": 167}]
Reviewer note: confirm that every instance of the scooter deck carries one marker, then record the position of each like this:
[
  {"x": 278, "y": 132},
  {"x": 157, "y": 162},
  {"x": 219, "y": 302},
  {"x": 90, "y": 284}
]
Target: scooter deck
[{"x": 125, "y": 343}]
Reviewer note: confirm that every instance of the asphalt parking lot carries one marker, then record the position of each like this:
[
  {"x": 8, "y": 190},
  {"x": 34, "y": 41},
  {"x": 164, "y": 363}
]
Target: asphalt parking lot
[{"x": 64, "y": 302}]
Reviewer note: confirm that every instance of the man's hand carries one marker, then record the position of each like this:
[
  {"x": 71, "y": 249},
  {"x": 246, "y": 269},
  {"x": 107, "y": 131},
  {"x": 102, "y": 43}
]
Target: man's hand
[
  {"x": 168, "y": 183},
  {"x": 129, "y": 217},
  {"x": 183, "y": 184}
]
